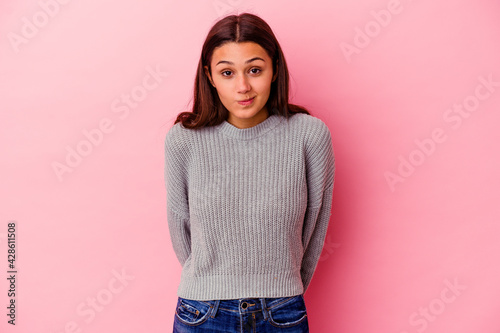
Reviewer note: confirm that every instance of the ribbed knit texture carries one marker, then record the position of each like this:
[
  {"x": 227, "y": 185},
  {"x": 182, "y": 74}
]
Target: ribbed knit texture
[{"x": 248, "y": 209}]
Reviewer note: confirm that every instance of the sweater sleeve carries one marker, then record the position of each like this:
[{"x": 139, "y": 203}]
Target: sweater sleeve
[
  {"x": 320, "y": 165},
  {"x": 175, "y": 176}
]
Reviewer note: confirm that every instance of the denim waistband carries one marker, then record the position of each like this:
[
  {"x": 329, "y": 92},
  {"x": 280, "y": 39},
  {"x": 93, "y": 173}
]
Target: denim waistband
[{"x": 246, "y": 305}]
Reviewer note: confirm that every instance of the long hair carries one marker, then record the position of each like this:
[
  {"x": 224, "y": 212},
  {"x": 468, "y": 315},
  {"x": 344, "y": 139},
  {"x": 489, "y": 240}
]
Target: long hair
[{"x": 208, "y": 110}]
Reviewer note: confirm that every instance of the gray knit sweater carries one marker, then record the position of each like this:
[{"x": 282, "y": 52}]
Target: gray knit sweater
[{"x": 248, "y": 209}]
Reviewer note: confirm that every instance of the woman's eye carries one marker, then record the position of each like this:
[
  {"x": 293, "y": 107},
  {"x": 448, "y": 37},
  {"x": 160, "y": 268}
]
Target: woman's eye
[{"x": 252, "y": 71}]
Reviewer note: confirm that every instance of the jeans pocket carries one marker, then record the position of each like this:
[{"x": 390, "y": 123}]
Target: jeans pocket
[
  {"x": 191, "y": 312},
  {"x": 290, "y": 312}
]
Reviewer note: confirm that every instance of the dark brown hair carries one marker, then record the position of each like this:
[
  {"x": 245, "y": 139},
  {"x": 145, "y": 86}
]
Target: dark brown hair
[{"x": 208, "y": 110}]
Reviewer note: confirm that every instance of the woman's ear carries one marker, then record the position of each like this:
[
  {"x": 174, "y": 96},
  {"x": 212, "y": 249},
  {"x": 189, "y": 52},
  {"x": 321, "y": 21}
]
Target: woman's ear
[
  {"x": 275, "y": 72},
  {"x": 207, "y": 73}
]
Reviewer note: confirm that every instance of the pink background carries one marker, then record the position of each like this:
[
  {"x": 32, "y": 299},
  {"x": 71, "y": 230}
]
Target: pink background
[{"x": 413, "y": 254}]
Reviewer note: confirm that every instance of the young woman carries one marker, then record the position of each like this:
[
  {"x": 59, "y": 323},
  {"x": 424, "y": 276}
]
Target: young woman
[{"x": 249, "y": 180}]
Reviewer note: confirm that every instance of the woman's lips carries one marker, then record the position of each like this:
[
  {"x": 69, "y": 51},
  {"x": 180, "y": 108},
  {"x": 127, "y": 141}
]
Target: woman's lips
[{"x": 247, "y": 102}]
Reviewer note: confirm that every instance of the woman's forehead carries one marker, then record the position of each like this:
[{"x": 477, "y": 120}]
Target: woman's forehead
[{"x": 239, "y": 53}]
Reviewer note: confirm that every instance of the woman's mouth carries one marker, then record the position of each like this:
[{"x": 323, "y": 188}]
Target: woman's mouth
[{"x": 246, "y": 102}]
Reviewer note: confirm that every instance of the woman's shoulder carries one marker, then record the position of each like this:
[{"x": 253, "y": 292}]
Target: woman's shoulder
[
  {"x": 313, "y": 130},
  {"x": 177, "y": 136},
  {"x": 309, "y": 122}
]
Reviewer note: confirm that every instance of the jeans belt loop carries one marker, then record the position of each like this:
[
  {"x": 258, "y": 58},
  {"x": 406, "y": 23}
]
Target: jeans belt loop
[
  {"x": 264, "y": 309},
  {"x": 215, "y": 308}
]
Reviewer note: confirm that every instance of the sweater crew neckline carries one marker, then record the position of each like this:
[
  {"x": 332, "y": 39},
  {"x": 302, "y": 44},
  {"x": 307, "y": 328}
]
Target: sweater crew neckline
[{"x": 251, "y": 132}]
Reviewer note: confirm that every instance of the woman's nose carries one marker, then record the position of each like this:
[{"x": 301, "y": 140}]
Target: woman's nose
[{"x": 242, "y": 84}]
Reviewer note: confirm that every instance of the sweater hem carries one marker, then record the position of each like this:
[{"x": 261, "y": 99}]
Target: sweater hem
[{"x": 221, "y": 287}]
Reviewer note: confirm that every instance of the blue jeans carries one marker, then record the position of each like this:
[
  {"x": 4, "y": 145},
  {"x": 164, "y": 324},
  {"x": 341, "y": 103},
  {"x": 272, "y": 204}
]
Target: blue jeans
[{"x": 283, "y": 314}]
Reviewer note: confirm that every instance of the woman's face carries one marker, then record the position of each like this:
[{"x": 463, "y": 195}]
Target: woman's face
[{"x": 242, "y": 71}]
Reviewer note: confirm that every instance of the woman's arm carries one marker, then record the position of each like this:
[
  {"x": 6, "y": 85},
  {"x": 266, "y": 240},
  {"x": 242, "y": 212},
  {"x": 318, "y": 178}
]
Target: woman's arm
[
  {"x": 177, "y": 193},
  {"x": 320, "y": 165}
]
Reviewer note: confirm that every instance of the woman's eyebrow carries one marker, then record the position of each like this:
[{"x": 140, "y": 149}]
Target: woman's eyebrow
[{"x": 246, "y": 62}]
